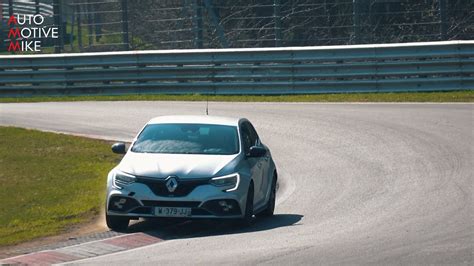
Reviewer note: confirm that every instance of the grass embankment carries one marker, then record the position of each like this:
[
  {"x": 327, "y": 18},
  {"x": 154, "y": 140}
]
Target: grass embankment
[
  {"x": 49, "y": 182},
  {"x": 455, "y": 96}
]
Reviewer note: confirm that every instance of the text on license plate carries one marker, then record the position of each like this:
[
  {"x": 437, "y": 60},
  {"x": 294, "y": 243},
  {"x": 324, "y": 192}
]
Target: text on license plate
[{"x": 172, "y": 212}]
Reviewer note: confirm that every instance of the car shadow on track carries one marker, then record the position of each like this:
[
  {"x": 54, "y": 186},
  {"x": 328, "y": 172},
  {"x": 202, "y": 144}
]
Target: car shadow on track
[{"x": 178, "y": 228}]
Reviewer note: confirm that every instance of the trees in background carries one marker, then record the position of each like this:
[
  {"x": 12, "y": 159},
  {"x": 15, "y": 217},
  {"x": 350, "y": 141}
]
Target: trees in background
[{"x": 103, "y": 25}]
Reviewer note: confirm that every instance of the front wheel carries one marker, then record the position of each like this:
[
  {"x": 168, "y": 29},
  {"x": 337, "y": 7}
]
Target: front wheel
[
  {"x": 117, "y": 223},
  {"x": 247, "y": 220}
]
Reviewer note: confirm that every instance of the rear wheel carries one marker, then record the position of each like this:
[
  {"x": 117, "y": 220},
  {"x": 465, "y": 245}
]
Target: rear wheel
[
  {"x": 117, "y": 223},
  {"x": 271, "y": 201}
]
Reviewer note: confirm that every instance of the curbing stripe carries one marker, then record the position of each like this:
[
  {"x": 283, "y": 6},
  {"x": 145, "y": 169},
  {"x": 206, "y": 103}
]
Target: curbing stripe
[
  {"x": 133, "y": 241},
  {"x": 85, "y": 250},
  {"x": 40, "y": 258}
]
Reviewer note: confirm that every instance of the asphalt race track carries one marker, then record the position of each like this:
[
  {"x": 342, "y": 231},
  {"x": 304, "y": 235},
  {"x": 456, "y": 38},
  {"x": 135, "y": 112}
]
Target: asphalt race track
[{"x": 360, "y": 183}]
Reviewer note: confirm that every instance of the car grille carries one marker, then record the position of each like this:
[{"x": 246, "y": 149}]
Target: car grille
[
  {"x": 158, "y": 186},
  {"x": 142, "y": 210},
  {"x": 154, "y": 203}
]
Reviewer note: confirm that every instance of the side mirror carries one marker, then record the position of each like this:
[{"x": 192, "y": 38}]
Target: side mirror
[
  {"x": 256, "y": 151},
  {"x": 119, "y": 148}
]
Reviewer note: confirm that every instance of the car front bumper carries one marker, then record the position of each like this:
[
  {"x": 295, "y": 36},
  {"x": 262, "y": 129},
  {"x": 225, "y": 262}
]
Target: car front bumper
[{"x": 205, "y": 201}]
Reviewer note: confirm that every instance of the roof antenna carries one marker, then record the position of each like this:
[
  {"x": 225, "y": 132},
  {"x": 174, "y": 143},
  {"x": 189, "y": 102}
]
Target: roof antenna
[{"x": 207, "y": 104}]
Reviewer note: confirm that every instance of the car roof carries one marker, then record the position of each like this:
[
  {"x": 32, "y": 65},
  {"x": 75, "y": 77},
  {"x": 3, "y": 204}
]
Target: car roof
[{"x": 195, "y": 119}]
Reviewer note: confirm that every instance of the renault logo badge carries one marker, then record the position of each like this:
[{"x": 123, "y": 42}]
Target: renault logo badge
[{"x": 171, "y": 183}]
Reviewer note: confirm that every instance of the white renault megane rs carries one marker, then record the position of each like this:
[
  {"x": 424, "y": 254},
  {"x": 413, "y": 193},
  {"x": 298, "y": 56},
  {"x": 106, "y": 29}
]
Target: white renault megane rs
[{"x": 192, "y": 167}]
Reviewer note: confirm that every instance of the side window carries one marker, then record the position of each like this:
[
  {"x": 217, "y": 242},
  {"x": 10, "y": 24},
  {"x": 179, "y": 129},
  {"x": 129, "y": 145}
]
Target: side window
[
  {"x": 253, "y": 135},
  {"x": 246, "y": 138}
]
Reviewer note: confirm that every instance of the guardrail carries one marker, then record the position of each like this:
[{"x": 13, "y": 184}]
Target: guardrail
[{"x": 431, "y": 66}]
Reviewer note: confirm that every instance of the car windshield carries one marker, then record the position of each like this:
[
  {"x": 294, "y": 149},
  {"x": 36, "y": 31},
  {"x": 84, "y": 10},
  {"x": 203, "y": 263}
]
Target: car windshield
[{"x": 187, "y": 139}]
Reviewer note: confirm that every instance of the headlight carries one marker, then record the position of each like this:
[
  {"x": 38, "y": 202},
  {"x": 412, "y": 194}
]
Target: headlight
[
  {"x": 122, "y": 178},
  {"x": 232, "y": 181}
]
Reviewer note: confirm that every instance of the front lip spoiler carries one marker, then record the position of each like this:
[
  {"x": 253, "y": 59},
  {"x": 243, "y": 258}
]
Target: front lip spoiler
[
  {"x": 133, "y": 212},
  {"x": 136, "y": 215}
]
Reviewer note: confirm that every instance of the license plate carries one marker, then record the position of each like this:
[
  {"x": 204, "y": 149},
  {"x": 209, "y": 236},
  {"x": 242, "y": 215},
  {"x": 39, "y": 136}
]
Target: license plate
[{"x": 172, "y": 212}]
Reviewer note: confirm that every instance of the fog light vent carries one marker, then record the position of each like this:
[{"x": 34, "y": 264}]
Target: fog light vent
[
  {"x": 225, "y": 206},
  {"x": 122, "y": 204},
  {"x": 222, "y": 207}
]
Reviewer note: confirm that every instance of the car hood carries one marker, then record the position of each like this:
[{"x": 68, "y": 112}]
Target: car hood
[{"x": 162, "y": 165}]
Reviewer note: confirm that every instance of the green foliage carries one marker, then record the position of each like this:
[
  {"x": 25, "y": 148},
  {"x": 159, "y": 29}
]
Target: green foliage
[
  {"x": 455, "y": 96},
  {"x": 49, "y": 182}
]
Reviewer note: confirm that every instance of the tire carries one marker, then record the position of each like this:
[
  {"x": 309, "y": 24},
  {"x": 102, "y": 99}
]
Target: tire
[
  {"x": 247, "y": 220},
  {"x": 269, "y": 210},
  {"x": 117, "y": 223}
]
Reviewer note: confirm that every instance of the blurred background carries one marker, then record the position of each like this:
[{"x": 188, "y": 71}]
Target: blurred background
[{"x": 117, "y": 25}]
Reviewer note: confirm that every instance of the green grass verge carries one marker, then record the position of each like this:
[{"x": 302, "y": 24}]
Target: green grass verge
[
  {"x": 49, "y": 182},
  {"x": 454, "y": 96}
]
